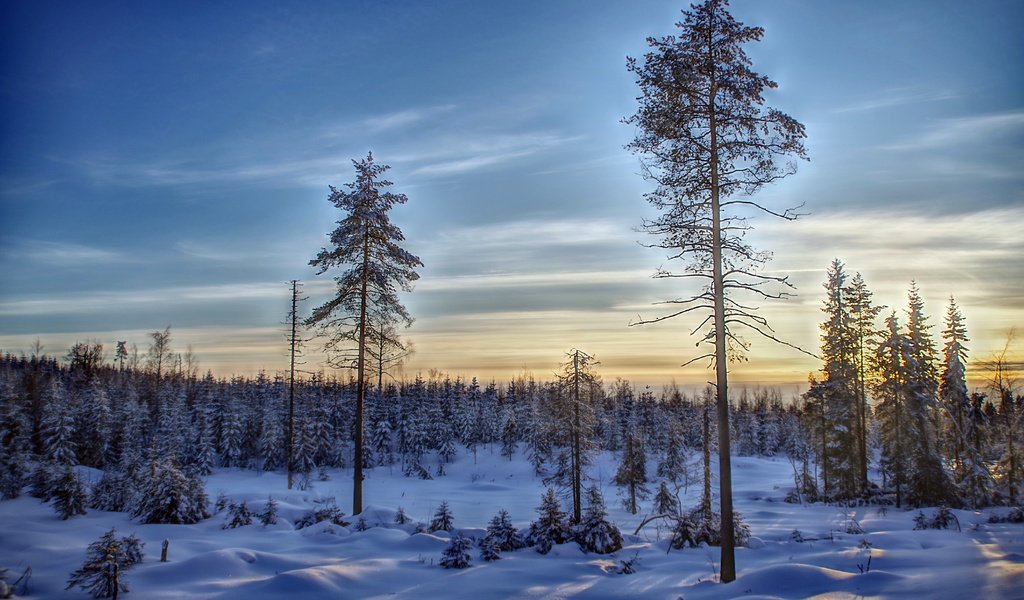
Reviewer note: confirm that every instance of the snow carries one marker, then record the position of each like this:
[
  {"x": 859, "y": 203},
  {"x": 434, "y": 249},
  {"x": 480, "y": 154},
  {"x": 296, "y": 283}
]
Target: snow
[{"x": 328, "y": 561}]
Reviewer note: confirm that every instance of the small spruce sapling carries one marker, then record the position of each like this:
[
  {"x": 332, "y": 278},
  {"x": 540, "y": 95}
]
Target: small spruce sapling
[
  {"x": 489, "y": 549},
  {"x": 503, "y": 534},
  {"x": 239, "y": 515},
  {"x": 269, "y": 514},
  {"x": 328, "y": 512},
  {"x": 69, "y": 495},
  {"x": 400, "y": 517},
  {"x": 456, "y": 555},
  {"x": 665, "y": 503},
  {"x": 595, "y": 533},
  {"x": 442, "y": 520},
  {"x": 106, "y": 559},
  {"x": 551, "y": 527}
]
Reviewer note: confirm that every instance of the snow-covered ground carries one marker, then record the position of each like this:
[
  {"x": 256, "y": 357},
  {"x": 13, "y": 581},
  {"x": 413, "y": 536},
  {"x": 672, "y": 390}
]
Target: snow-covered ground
[{"x": 254, "y": 562}]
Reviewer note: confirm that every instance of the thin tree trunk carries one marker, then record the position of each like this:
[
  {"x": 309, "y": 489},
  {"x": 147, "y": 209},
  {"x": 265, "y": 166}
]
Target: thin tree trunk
[
  {"x": 357, "y": 476},
  {"x": 728, "y": 559},
  {"x": 576, "y": 457},
  {"x": 291, "y": 384},
  {"x": 862, "y": 417}
]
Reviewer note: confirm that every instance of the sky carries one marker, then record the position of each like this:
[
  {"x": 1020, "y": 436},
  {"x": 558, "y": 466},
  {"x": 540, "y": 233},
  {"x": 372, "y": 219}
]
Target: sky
[{"x": 167, "y": 164}]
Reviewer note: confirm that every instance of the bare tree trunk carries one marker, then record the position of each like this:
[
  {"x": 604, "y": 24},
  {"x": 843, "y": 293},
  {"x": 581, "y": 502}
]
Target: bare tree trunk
[
  {"x": 576, "y": 451},
  {"x": 706, "y": 431},
  {"x": 862, "y": 418},
  {"x": 357, "y": 472},
  {"x": 728, "y": 559},
  {"x": 294, "y": 340}
]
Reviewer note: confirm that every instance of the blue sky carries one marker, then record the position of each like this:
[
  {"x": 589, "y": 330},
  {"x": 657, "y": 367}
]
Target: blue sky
[{"x": 168, "y": 163}]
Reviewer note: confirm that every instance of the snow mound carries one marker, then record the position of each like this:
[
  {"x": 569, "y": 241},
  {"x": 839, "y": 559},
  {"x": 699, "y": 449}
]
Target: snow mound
[
  {"x": 330, "y": 581},
  {"x": 425, "y": 542},
  {"x": 802, "y": 580}
]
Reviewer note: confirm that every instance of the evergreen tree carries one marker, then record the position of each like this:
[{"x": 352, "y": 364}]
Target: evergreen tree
[
  {"x": 43, "y": 479},
  {"x": 509, "y": 435},
  {"x": 929, "y": 483},
  {"x": 59, "y": 428},
  {"x": 865, "y": 332},
  {"x": 447, "y": 450},
  {"x": 113, "y": 492},
  {"x": 93, "y": 425},
  {"x": 231, "y": 437},
  {"x": 367, "y": 244},
  {"x": 551, "y": 527},
  {"x": 268, "y": 516},
  {"x": 836, "y": 393},
  {"x": 239, "y": 515},
  {"x": 169, "y": 496},
  {"x": 665, "y": 503},
  {"x": 456, "y": 555},
  {"x": 69, "y": 494},
  {"x": 673, "y": 463},
  {"x": 953, "y": 393},
  {"x": 442, "y": 520},
  {"x": 504, "y": 536},
  {"x": 400, "y": 517},
  {"x": 891, "y": 358},
  {"x": 12, "y": 473},
  {"x": 595, "y": 533},
  {"x": 632, "y": 473},
  {"x": 489, "y": 550},
  {"x": 102, "y": 573}
]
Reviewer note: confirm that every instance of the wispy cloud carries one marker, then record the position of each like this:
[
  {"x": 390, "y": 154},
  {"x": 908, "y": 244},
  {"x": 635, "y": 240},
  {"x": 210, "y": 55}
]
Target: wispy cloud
[
  {"x": 972, "y": 130},
  {"x": 10, "y": 186},
  {"x": 532, "y": 280},
  {"x": 63, "y": 253},
  {"x": 896, "y": 97},
  {"x": 530, "y": 233},
  {"x": 105, "y": 301},
  {"x": 478, "y": 151},
  {"x": 405, "y": 118},
  {"x": 430, "y": 141}
]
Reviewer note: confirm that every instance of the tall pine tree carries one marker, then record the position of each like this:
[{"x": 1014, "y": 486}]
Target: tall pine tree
[{"x": 366, "y": 245}]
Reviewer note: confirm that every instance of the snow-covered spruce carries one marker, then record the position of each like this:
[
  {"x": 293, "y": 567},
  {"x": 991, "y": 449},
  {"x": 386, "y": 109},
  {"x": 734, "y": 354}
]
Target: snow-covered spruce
[
  {"x": 239, "y": 515},
  {"x": 400, "y": 517},
  {"x": 1016, "y": 515},
  {"x": 328, "y": 512},
  {"x": 551, "y": 527},
  {"x": 456, "y": 555},
  {"x": 12, "y": 473},
  {"x": 502, "y": 534},
  {"x": 665, "y": 502},
  {"x": 113, "y": 492},
  {"x": 489, "y": 549},
  {"x": 102, "y": 573},
  {"x": 167, "y": 495},
  {"x": 268, "y": 516},
  {"x": 595, "y": 533},
  {"x": 942, "y": 519},
  {"x": 698, "y": 527},
  {"x": 443, "y": 520},
  {"x": 69, "y": 494}
]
